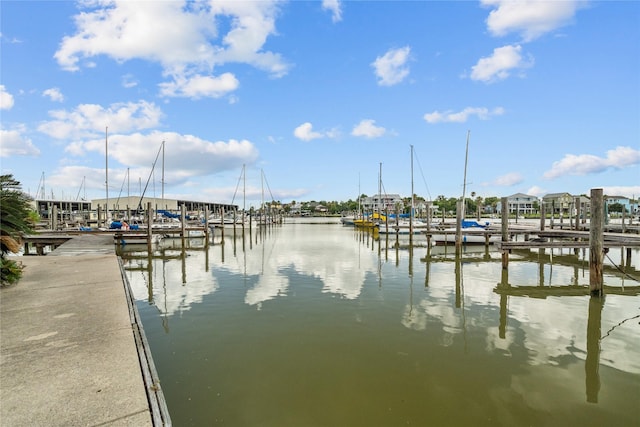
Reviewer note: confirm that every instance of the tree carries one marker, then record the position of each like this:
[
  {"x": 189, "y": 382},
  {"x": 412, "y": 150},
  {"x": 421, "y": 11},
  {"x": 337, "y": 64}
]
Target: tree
[{"x": 16, "y": 219}]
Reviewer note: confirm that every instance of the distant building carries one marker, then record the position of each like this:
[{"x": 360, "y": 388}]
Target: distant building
[
  {"x": 520, "y": 203},
  {"x": 382, "y": 202},
  {"x": 84, "y": 211},
  {"x": 621, "y": 200},
  {"x": 558, "y": 203},
  {"x": 132, "y": 204}
]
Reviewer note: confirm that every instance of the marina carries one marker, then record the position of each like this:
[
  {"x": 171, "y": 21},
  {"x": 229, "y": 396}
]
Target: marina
[
  {"x": 306, "y": 321},
  {"x": 321, "y": 324}
]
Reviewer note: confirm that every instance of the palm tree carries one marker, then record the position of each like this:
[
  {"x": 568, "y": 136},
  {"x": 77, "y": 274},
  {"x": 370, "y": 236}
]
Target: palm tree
[{"x": 16, "y": 219}]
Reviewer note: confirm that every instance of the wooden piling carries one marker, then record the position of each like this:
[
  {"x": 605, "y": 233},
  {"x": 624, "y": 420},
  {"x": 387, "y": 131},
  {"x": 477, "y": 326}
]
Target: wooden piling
[
  {"x": 149, "y": 227},
  {"x": 596, "y": 242},
  {"x": 459, "y": 209},
  {"x": 206, "y": 226},
  {"x": 183, "y": 221},
  {"x": 543, "y": 217},
  {"x": 505, "y": 231}
]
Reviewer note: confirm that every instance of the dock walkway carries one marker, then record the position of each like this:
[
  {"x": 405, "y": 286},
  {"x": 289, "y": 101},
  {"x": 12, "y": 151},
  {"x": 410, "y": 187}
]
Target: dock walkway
[{"x": 70, "y": 351}]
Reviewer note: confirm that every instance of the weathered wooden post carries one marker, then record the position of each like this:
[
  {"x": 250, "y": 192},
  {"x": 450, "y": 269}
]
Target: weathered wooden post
[
  {"x": 183, "y": 221},
  {"x": 222, "y": 225},
  {"x": 459, "y": 209},
  {"x": 206, "y": 226},
  {"x": 149, "y": 227},
  {"x": 596, "y": 242},
  {"x": 578, "y": 212},
  {"x": 543, "y": 217},
  {"x": 505, "y": 232}
]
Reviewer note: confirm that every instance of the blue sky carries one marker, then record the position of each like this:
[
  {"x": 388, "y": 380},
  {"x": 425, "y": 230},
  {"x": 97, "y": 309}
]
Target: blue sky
[{"x": 312, "y": 96}]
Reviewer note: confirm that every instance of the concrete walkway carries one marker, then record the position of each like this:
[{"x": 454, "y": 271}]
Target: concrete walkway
[{"x": 68, "y": 356}]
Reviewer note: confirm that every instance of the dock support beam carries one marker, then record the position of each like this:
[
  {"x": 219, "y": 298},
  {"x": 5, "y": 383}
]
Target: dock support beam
[
  {"x": 459, "y": 216},
  {"x": 149, "y": 227},
  {"x": 505, "y": 230},
  {"x": 596, "y": 242}
]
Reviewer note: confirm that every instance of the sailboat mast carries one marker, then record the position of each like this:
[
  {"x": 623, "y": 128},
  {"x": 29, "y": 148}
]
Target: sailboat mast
[
  {"x": 379, "y": 190},
  {"x": 466, "y": 157},
  {"x": 163, "y": 175},
  {"x": 412, "y": 198},
  {"x": 106, "y": 171}
]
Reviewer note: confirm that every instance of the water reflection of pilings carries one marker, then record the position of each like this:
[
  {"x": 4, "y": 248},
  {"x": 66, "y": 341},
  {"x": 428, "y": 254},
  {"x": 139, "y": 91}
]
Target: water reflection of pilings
[{"x": 592, "y": 363}]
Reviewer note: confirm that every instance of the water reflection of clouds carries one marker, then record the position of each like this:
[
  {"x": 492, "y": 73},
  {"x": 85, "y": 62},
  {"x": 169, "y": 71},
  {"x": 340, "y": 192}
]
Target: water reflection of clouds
[
  {"x": 327, "y": 256},
  {"x": 551, "y": 327},
  {"x": 169, "y": 294}
]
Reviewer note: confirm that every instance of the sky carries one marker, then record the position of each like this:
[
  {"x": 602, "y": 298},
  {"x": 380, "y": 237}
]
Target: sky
[{"x": 319, "y": 100}]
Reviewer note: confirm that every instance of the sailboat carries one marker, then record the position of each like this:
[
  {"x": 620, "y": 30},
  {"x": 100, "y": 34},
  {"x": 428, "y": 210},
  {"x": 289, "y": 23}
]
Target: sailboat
[
  {"x": 473, "y": 231},
  {"x": 408, "y": 225}
]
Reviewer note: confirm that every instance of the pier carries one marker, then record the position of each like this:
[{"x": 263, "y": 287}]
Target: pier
[{"x": 73, "y": 351}]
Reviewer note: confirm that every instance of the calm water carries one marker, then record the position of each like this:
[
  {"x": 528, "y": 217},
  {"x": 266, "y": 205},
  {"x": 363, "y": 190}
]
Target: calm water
[{"x": 323, "y": 325}]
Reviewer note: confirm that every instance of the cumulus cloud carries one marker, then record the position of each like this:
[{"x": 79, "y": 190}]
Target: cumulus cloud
[
  {"x": 187, "y": 39},
  {"x": 335, "y": 7},
  {"x": 305, "y": 132},
  {"x": 585, "y": 164},
  {"x": 87, "y": 120},
  {"x": 128, "y": 81},
  {"x": 6, "y": 99},
  {"x": 482, "y": 113},
  {"x": 368, "y": 129},
  {"x": 200, "y": 86},
  {"x": 54, "y": 94},
  {"x": 537, "y": 191},
  {"x": 509, "y": 179},
  {"x": 186, "y": 155},
  {"x": 14, "y": 143},
  {"x": 500, "y": 64},
  {"x": 529, "y": 18},
  {"x": 391, "y": 68}
]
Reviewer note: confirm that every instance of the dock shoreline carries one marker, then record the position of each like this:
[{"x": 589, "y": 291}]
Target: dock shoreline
[{"x": 72, "y": 349}]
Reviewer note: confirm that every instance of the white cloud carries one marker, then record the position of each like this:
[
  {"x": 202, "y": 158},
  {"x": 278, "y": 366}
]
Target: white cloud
[
  {"x": 368, "y": 129},
  {"x": 509, "y": 179},
  {"x": 88, "y": 120},
  {"x": 6, "y": 99},
  {"x": 14, "y": 143},
  {"x": 391, "y": 68},
  {"x": 186, "y": 155},
  {"x": 54, "y": 94},
  {"x": 305, "y": 132},
  {"x": 128, "y": 81},
  {"x": 482, "y": 113},
  {"x": 537, "y": 191},
  {"x": 585, "y": 164},
  {"x": 186, "y": 38},
  {"x": 335, "y": 7},
  {"x": 500, "y": 64},
  {"x": 198, "y": 86},
  {"x": 530, "y": 18}
]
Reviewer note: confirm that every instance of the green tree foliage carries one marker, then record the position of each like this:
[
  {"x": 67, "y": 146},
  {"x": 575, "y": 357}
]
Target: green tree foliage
[{"x": 16, "y": 219}]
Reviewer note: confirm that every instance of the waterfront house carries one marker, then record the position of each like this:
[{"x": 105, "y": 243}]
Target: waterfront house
[
  {"x": 625, "y": 202},
  {"x": 558, "y": 203},
  {"x": 382, "y": 202},
  {"x": 521, "y": 204}
]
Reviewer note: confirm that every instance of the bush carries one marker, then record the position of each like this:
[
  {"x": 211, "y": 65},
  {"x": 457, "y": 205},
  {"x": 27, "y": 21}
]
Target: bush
[{"x": 11, "y": 271}]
